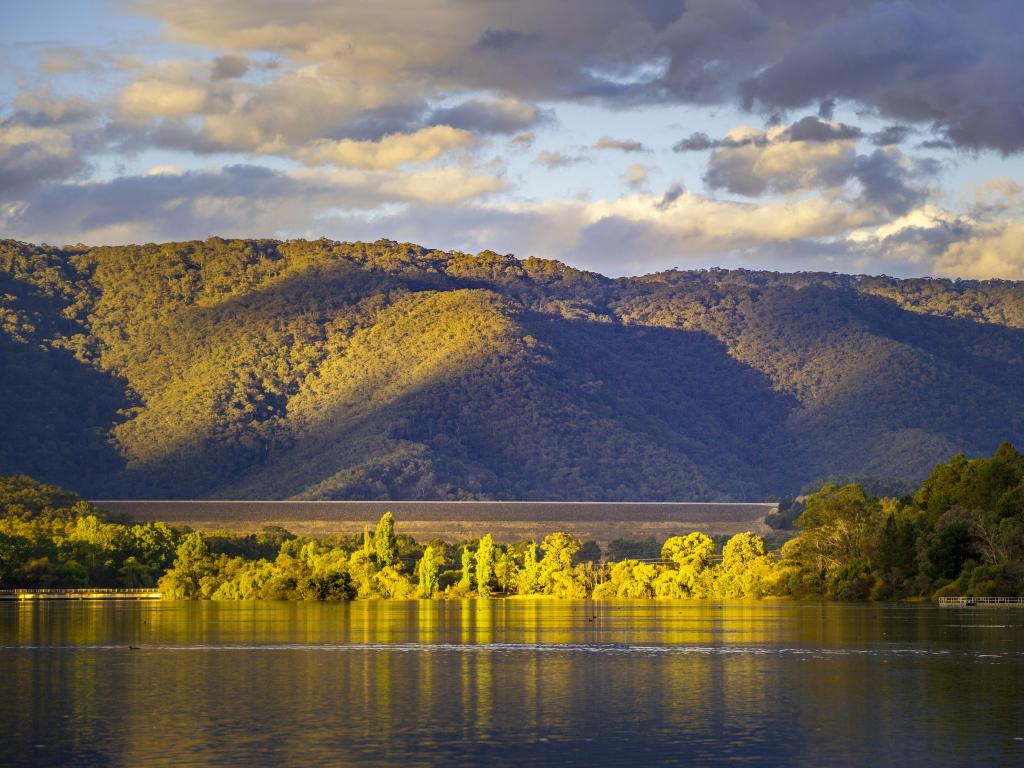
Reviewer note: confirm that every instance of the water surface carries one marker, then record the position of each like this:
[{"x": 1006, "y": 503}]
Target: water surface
[{"x": 510, "y": 683}]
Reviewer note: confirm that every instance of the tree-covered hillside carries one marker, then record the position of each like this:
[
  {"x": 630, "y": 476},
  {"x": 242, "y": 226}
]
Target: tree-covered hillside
[{"x": 316, "y": 369}]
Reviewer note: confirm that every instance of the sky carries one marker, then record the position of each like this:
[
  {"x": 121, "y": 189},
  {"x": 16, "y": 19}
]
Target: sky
[{"x": 621, "y": 136}]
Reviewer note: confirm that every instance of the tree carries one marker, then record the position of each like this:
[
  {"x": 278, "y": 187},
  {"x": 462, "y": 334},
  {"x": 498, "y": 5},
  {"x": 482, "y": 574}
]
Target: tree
[
  {"x": 528, "y": 578},
  {"x": 746, "y": 569},
  {"x": 693, "y": 554},
  {"x": 466, "y": 581},
  {"x": 427, "y": 572},
  {"x": 384, "y": 542},
  {"x": 192, "y": 566},
  {"x": 485, "y": 563}
]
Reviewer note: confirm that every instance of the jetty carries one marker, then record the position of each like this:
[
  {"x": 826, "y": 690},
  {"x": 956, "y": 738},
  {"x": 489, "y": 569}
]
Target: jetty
[
  {"x": 981, "y": 602},
  {"x": 89, "y": 593}
]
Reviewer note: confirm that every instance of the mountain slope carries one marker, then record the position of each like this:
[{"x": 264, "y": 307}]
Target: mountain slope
[{"x": 315, "y": 369}]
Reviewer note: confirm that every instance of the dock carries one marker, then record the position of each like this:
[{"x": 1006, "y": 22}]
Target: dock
[
  {"x": 89, "y": 593},
  {"x": 981, "y": 602}
]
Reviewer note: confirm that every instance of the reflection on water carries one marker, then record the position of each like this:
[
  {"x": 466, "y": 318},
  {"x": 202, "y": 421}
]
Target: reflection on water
[{"x": 509, "y": 682}]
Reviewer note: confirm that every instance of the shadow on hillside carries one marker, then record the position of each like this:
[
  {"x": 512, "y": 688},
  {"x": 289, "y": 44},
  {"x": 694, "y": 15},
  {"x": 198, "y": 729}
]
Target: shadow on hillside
[{"x": 56, "y": 414}]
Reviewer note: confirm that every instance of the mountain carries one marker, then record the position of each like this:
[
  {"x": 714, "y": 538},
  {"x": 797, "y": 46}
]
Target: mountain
[{"x": 318, "y": 369}]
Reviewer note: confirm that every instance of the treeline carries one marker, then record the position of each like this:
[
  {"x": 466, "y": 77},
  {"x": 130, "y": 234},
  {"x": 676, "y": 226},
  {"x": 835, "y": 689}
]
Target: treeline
[{"x": 962, "y": 532}]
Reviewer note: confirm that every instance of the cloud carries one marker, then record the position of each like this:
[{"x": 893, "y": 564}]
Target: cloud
[
  {"x": 553, "y": 160},
  {"x": 229, "y": 66},
  {"x": 751, "y": 162},
  {"x": 812, "y": 129},
  {"x": 945, "y": 64},
  {"x": 506, "y": 115},
  {"x": 695, "y": 142},
  {"x": 891, "y": 134},
  {"x": 949, "y": 65},
  {"x": 620, "y": 145},
  {"x": 812, "y": 154},
  {"x": 180, "y": 105},
  {"x": 442, "y": 186},
  {"x": 391, "y": 151},
  {"x": 523, "y": 140},
  {"x": 239, "y": 201},
  {"x": 33, "y": 154},
  {"x": 505, "y": 40},
  {"x": 994, "y": 251},
  {"x": 167, "y": 91},
  {"x": 638, "y": 176}
]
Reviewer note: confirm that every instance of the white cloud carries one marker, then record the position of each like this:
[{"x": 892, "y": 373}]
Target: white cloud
[
  {"x": 752, "y": 162},
  {"x": 167, "y": 91},
  {"x": 390, "y": 151},
  {"x": 993, "y": 251},
  {"x": 442, "y": 186},
  {"x": 638, "y": 176}
]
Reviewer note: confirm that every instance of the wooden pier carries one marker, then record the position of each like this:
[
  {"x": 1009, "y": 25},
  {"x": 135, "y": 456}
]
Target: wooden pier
[
  {"x": 981, "y": 602},
  {"x": 94, "y": 593}
]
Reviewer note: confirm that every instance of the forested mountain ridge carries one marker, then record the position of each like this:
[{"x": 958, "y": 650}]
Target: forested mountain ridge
[{"x": 317, "y": 369}]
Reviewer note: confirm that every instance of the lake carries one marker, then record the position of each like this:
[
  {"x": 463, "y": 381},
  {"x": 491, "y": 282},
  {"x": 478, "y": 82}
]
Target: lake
[{"x": 510, "y": 682}]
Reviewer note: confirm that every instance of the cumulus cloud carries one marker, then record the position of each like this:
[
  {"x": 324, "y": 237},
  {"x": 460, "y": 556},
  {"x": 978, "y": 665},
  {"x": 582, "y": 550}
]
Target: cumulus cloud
[
  {"x": 812, "y": 154},
  {"x": 993, "y": 251},
  {"x": 390, "y": 151},
  {"x": 753, "y": 162},
  {"x": 166, "y": 90}
]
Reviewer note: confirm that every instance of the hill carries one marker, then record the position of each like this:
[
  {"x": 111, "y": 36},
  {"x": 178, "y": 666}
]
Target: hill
[{"x": 326, "y": 370}]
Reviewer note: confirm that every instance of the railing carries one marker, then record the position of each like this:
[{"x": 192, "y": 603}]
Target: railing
[
  {"x": 87, "y": 593},
  {"x": 980, "y": 602}
]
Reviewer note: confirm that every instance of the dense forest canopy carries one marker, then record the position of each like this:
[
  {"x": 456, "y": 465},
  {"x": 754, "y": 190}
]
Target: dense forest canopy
[{"x": 318, "y": 369}]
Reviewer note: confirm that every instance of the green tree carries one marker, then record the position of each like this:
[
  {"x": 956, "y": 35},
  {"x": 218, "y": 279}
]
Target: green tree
[
  {"x": 486, "y": 560},
  {"x": 384, "y": 541},
  {"x": 528, "y": 578},
  {"x": 427, "y": 572},
  {"x": 466, "y": 580}
]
